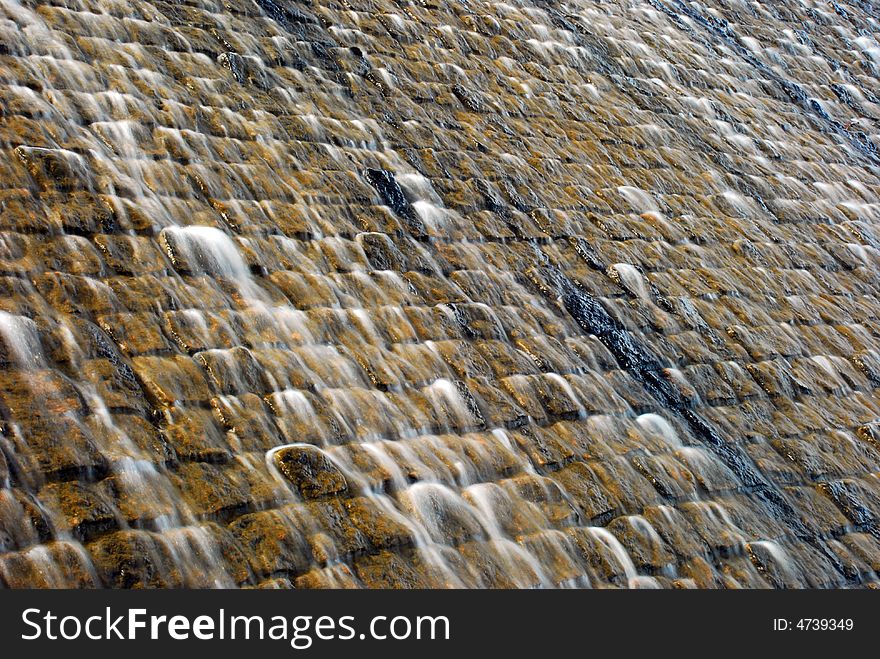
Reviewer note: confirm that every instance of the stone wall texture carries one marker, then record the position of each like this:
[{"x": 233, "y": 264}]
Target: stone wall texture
[{"x": 431, "y": 294}]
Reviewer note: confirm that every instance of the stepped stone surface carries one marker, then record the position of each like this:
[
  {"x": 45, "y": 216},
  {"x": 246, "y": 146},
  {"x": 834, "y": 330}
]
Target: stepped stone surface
[{"x": 364, "y": 293}]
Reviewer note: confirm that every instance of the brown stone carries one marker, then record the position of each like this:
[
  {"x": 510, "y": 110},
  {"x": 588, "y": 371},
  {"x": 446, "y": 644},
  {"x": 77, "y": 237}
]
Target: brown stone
[
  {"x": 171, "y": 379},
  {"x": 135, "y": 559},
  {"x": 310, "y": 470},
  {"x": 86, "y": 511},
  {"x": 57, "y": 564}
]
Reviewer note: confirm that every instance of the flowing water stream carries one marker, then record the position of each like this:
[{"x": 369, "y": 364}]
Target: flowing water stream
[{"x": 439, "y": 294}]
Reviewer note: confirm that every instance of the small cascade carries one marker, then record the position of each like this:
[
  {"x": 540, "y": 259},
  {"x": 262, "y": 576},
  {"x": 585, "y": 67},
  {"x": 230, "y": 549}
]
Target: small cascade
[
  {"x": 205, "y": 250},
  {"x": 21, "y": 342}
]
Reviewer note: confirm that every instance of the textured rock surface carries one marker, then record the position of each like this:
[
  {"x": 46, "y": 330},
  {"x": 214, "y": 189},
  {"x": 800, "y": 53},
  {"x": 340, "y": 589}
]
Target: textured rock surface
[{"x": 561, "y": 293}]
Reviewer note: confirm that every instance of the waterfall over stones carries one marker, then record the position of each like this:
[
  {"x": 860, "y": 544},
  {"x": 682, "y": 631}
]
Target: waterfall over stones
[{"x": 362, "y": 293}]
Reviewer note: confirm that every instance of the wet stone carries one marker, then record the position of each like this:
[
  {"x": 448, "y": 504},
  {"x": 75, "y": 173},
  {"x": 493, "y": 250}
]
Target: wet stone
[
  {"x": 53, "y": 565},
  {"x": 610, "y": 568},
  {"x": 642, "y": 542},
  {"x": 130, "y": 254},
  {"x": 495, "y": 565},
  {"x": 557, "y": 558},
  {"x": 73, "y": 293},
  {"x": 167, "y": 380},
  {"x": 389, "y": 570},
  {"x": 194, "y": 434},
  {"x": 310, "y": 470},
  {"x": 87, "y": 511},
  {"x": 125, "y": 429},
  {"x": 234, "y": 371},
  {"x": 742, "y": 573},
  {"x": 273, "y": 541},
  {"x": 134, "y": 559},
  {"x": 676, "y": 530},
  {"x": 383, "y": 529},
  {"x": 581, "y": 483},
  {"x": 245, "y": 417},
  {"x": 22, "y": 523},
  {"x": 56, "y": 168},
  {"x": 73, "y": 254},
  {"x": 212, "y": 491},
  {"x": 59, "y": 450},
  {"x": 340, "y": 537},
  {"x": 115, "y": 384},
  {"x": 134, "y": 334},
  {"x": 46, "y": 391},
  {"x": 336, "y": 577}
]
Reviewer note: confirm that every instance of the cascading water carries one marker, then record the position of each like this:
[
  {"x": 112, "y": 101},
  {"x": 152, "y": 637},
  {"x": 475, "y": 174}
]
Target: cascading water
[{"x": 376, "y": 294}]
